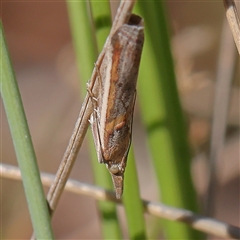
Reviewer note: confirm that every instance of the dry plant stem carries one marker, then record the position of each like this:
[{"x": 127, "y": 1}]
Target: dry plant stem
[
  {"x": 233, "y": 20},
  {"x": 70, "y": 154},
  {"x": 225, "y": 72},
  {"x": 204, "y": 224},
  {"x": 123, "y": 15}
]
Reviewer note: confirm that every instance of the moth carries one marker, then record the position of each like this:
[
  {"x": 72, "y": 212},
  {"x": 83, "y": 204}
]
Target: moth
[{"x": 111, "y": 120}]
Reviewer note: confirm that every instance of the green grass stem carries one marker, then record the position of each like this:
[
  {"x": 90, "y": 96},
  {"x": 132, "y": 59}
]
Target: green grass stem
[
  {"x": 23, "y": 146},
  {"x": 88, "y": 37},
  {"x": 132, "y": 201},
  {"x": 163, "y": 119}
]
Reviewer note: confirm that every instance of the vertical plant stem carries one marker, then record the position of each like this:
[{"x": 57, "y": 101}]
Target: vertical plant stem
[
  {"x": 89, "y": 34},
  {"x": 83, "y": 36},
  {"x": 132, "y": 201},
  {"x": 233, "y": 20},
  {"x": 23, "y": 146},
  {"x": 225, "y": 72},
  {"x": 163, "y": 119}
]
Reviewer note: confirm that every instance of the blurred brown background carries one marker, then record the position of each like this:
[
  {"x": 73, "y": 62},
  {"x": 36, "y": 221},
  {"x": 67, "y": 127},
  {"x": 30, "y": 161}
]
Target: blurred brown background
[{"x": 39, "y": 41}]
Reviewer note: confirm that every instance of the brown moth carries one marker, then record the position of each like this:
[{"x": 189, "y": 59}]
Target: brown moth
[{"x": 111, "y": 121}]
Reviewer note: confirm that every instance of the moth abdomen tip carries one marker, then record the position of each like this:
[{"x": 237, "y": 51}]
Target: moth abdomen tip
[{"x": 119, "y": 193}]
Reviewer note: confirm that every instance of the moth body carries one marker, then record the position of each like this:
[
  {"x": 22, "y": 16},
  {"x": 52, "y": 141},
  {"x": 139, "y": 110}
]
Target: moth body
[{"x": 111, "y": 121}]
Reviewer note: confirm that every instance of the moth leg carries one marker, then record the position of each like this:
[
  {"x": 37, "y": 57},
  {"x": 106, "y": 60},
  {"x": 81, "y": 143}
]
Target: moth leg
[
  {"x": 91, "y": 94},
  {"x": 96, "y": 137},
  {"x": 99, "y": 77},
  {"x": 93, "y": 99},
  {"x": 94, "y": 122},
  {"x": 99, "y": 90}
]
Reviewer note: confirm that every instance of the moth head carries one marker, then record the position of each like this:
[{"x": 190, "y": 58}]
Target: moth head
[
  {"x": 114, "y": 168},
  {"x": 117, "y": 172}
]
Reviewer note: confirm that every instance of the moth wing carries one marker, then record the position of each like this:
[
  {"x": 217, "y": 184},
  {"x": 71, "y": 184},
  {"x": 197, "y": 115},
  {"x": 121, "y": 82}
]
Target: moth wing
[{"x": 118, "y": 180}]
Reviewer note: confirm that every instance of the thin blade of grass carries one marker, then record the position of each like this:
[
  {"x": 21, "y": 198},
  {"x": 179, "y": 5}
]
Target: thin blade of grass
[
  {"x": 163, "y": 119},
  {"x": 88, "y": 37},
  {"x": 23, "y": 146},
  {"x": 225, "y": 72},
  {"x": 83, "y": 36},
  {"x": 132, "y": 201}
]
